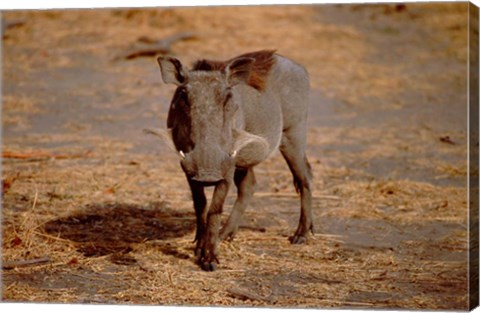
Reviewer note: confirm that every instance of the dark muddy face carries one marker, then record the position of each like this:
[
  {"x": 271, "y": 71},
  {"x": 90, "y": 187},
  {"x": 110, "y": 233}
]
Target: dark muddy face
[{"x": 201, "y": 117}]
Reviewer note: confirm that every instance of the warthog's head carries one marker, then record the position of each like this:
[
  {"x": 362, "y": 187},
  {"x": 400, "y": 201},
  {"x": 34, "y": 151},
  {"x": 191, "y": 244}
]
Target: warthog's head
[{"x": 201, "y": 116}]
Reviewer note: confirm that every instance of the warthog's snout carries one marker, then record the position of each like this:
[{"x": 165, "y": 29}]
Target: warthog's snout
[
  {"x": 207, "y": 165},
  {"x": 207, "y": 177}
]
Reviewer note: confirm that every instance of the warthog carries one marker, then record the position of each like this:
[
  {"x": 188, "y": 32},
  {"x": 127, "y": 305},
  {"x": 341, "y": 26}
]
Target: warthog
[{"x": 227, "y": 117}]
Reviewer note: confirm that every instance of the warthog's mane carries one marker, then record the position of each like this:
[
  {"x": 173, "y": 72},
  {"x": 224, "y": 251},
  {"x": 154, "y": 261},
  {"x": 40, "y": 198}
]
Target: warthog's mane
[{"x": 264, "y": 61}]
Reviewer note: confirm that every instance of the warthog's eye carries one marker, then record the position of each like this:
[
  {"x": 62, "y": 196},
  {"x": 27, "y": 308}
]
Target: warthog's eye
[
  {"x": 183, "y": 93},
  {"x": 180, "y": 98},
  {"x": 229, "y": 106},
  {"x": 228, "y": 96}
]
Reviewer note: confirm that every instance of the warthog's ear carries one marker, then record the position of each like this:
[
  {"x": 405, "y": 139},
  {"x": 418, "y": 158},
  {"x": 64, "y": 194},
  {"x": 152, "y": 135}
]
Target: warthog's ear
[
  {"x": 238, "y": 70},
  {"x": 173, "y": 71}
]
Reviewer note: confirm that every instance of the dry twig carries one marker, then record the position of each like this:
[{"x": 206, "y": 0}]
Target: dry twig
[
  {"x": 7, "y": 265},
  {"x": 152, "y": 47},
  {"x": 40, "y": 155},
  {"x": 243, "y": 294}
]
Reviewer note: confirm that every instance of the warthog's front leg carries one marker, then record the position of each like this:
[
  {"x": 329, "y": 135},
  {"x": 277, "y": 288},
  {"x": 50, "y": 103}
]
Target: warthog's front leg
[
  {"x": 200, "y": 205},
  {"x": 208, "y": 252}
]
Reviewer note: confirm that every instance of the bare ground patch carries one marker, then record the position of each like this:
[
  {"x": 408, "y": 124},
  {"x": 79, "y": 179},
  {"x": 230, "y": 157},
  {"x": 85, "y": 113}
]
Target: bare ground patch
[{"x": 110, "y": 210}]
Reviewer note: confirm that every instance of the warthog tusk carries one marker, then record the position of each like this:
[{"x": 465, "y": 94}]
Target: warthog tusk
[
  {"x": 234, "y": 153},
  {"x": 182, "y": 154}
]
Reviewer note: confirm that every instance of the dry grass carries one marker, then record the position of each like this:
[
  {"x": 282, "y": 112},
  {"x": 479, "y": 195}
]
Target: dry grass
[{"x": 117, "y": 225}]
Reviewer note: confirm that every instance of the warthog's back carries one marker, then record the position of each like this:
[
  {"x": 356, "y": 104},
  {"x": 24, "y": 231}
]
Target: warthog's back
[
  {"x": 290, "y": 84},
  {"x": 281, "y": 104},
  {"x": 274, "y": 99}
]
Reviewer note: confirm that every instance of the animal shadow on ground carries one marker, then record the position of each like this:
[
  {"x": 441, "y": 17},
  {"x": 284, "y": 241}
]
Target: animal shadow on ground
[{"x": 112, "y": 229}]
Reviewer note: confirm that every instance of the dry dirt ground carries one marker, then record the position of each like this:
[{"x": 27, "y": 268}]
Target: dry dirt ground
[{"x": 105, "y": 213}]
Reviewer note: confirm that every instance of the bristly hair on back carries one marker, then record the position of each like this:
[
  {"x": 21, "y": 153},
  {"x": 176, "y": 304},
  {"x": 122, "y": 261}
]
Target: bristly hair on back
[{"x": 264, "y": 61}]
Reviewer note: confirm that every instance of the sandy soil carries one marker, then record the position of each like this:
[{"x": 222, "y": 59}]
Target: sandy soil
[{"x": 109, "y": 209}]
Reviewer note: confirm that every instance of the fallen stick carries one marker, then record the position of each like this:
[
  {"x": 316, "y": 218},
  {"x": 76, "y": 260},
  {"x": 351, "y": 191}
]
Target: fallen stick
[
  {"x": 146, "y": 52},
  {"x": 253, "y": 228},
  {"x": 42, "y": 155},
  {"x": 53, "y": 237},
  {"x": 170, "y": 39},
  {"x": 8, "y": 265},
  {"x": 242, "y": 294},
  {"x": 294, "y": 195},
  {"x": 347, "y": 303},
  {"x": 152, "y": 47},
  {"x": 12, "y": 24}
]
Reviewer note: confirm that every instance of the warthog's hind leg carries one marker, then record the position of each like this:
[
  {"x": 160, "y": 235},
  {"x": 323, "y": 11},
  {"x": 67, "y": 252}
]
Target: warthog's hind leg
[{"x": 293, "y": 150}]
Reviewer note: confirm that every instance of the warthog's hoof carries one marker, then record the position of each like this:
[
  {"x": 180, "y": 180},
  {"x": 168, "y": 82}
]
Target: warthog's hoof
[
  {"x": 207, "y": 259},
  {"x": 301, "y": 235},
  {"x": 208, "y": 266},
  {"x": 297, "y": 239}
]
